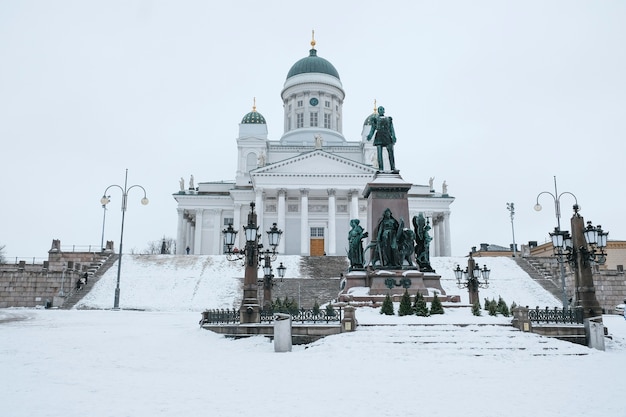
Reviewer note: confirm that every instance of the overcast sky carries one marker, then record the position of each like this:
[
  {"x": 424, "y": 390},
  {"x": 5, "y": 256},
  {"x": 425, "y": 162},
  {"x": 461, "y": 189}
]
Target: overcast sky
[{"x": 494, "y": 97}]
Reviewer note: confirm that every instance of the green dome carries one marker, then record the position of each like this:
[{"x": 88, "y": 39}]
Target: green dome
[
  {"x": 254, "y": 117},
  {"x": 311, "y": 64}
]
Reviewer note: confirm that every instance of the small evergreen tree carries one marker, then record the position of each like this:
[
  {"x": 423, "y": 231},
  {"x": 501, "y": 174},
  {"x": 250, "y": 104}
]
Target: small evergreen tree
[
  {"x": 487, "y": 302},
  {"x": 316, "y": 308},
  {"x": 291, "y": 306},
  {"x": 502, "y": 308},
  {"x": 476, "y": 308},
  {"x": 493, "y": 308},
  {"x": 387, "y": 307},
  {"x": 277, "y": 305},
  {"x": 420, "y": 307},
  {"x": 405, "y": 305},
  {"x": 435, "y": 306},
  {"x": 330, "y": 310}
]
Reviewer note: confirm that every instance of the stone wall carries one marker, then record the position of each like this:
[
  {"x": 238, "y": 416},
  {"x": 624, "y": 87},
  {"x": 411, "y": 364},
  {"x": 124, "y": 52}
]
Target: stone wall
[
  {"x": 27, "y": 288},
  {"x": 610, "y": 289},
  {"x": 45, "y": 284}
]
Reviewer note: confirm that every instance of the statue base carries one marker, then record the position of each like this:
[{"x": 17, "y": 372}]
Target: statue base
[{"x": 370, "y": 286}]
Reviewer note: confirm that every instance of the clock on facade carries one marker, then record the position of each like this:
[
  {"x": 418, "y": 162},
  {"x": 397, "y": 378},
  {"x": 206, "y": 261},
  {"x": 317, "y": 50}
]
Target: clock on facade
[{"x": 313, "y": 101}]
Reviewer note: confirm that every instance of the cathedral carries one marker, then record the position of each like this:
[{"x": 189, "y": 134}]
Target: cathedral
[{"x": 310, "y": 182}]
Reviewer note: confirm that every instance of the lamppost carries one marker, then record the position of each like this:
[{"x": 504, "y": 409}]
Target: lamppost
[
  {"x": 558, "y": 252},
  {"x": 273, "y": 238},
  {"x": 250, "y": 309},
  {"x": 583, "y": 249},
  {"x": 104, "y": 216},
  {"x": 511, "y": 208},
  {"x": 106, "y": 200},
  {"x": 470, "y": 278}
]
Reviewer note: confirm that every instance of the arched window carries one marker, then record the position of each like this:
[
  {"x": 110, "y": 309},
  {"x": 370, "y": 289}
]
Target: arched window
[{"x": 251, "y": 161}]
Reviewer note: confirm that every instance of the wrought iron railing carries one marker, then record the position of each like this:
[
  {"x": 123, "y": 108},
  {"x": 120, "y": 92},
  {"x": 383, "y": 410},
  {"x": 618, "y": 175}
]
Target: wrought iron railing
[
  {"x": 307, "y": 316},
  {"x": 315, "y": 316},
  {"x": 556, "y": 315},
  {"x": 220, "y": 316}
]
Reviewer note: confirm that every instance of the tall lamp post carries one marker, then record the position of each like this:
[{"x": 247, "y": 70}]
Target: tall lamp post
[
  {"x": 106, "y": 200},
  {"x": 511, "y": 208},
  {"x": 470, "y": 278},
  {"x": 558, "y": 250},
  {"x": 250, "y": 309}
]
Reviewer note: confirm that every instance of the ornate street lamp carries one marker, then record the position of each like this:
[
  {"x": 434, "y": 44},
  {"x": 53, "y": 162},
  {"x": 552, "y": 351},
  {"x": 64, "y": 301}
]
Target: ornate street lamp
[
  {"x": 470, "y": 278},
  {"x": 250, "y": 309},
  {"x": 106, "y": 200}
]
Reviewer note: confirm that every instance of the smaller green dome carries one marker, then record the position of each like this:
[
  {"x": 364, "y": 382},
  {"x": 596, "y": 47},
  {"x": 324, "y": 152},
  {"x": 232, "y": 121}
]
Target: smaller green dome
[{"x": 254, "y": 117}]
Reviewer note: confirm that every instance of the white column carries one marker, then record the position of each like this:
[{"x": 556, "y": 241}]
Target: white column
[
  {"x": 447, "y": 251},
  {"x": 332, "y": 220},
  {"x": 186, "y": 234},
  {"x": 236, "y": 226},
  {"x": 354, "y": 204},
  {"x": 197, "y": 238},
  {"x": 442, "y": 235},
  {"x": 282, "y": 193},
  {"x": 260, "y": 208},
  {"x": 437, "y": 236},
  {"x": 190, "y": 238},
  {"x": 217, "y": 235},
  {"x": 304, "y": 222},
  {"x": 180, "y": 232}
]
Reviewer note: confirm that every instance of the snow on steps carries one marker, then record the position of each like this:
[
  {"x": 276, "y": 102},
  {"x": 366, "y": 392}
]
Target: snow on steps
[{"x": 459, "y": 340}]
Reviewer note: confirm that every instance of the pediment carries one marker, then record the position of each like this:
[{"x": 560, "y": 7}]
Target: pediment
[{"x": 317, "y": 163}]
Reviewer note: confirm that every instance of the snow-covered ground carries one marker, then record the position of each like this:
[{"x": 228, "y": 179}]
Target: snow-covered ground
[
  {"x": 160, "y": 363},
  {"x": 194, "y": 283}
]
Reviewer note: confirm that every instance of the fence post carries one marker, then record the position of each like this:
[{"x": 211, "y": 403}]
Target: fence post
[
  {"x": 348, "y": 323},
  {"x": 521, "y": 320}
]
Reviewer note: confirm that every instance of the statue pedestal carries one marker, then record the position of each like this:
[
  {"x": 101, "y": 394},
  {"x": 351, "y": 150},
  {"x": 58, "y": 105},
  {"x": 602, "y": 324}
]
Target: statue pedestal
[
  {"x": 371, "y": 286},
  {"x": 390, "y": 254},
  {"x": 386, "y": 191}
]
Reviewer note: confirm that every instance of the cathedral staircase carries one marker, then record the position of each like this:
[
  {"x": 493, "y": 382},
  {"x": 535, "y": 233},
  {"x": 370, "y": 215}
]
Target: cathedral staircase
[
  {"x": 319, "y": 281},
  {"x": 96, "y": 270},
  {"x": 323, "y": 266},
  {"x": 536, "y": 268}
]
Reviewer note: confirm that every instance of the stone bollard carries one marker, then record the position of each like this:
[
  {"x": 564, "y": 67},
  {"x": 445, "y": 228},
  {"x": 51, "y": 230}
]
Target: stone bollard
[
  {"x": 348, "y": 323},
  {"x": 521, "y": 320},
  {"x": 282, "y": 332}
]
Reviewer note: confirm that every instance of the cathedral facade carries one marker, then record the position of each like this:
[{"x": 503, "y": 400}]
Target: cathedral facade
[{"x": 310, "y": 182}]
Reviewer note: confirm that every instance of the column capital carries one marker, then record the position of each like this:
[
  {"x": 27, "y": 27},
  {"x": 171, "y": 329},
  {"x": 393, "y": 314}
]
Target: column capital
[
  {"x": 282, "y": 191},
  {"x": 331, "y": 191},
  {"x": 304, "y": 191}
]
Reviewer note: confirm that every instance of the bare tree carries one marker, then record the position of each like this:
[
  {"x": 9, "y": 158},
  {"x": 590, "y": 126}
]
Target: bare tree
[
  {"x": 2, "y": 260},
  {"x": 163, "y": 246}
]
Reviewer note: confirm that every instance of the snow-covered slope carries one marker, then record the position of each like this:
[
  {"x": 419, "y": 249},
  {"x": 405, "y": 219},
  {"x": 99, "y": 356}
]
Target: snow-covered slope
[{"x": 194, "y": 283}]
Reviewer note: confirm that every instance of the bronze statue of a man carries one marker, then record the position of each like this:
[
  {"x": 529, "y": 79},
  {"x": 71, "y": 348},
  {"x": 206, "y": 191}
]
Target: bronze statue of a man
[{"x": 385, "y": 137}]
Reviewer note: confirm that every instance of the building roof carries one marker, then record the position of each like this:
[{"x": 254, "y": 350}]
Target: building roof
[{"x": 313, "y": 64}]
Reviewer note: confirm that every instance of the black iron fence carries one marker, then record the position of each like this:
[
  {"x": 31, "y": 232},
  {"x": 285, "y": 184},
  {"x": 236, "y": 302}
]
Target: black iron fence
[
  {"x": 556, "y": 315},
  {"x": 315, "y": 316}
]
